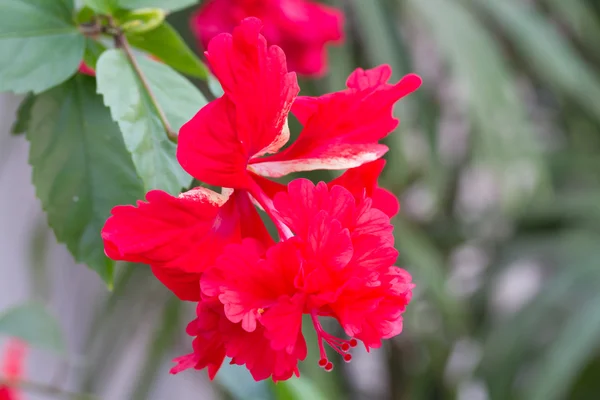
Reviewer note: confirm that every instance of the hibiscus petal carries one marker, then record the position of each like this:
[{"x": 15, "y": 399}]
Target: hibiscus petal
[
  {"x": 254, "y": 350},
  {"x": 163, "y": 229},
  {"x": 256, "y": 80},
  {"x": 209, "y": 349},
  {"x": 362, "y": 181},
  {"x": 209, "y": 148},
  {"x": 246, "y": 284},
  {"x": 181, "y": 236},
  {"x": 303, "y": 200},
  {"x": 283, "y": 322},
  {"x": 341, "y": 129}
]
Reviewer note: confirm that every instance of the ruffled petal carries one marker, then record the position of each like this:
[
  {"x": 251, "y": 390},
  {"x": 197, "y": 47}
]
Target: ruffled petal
[
  {"x": 342, "y": 129},
  {"x": 255, "y": 79},
  {"x": 362, "y": 181},
  {"x": 181, "y": 236}
]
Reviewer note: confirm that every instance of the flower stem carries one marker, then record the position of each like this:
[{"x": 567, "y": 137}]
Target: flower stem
[
  {"x": 121, "y": 42},
  {"x": 46, "y": 389}
]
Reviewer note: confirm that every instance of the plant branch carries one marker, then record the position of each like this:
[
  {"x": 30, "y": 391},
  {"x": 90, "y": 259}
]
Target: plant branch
[
  {"x": 121, "y": 42},
  {"x": 46, "y": 389}
]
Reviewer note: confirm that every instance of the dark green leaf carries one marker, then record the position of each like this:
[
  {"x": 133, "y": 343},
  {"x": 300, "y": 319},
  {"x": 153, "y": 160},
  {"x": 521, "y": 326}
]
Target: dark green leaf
[
  {"x": 165, "y": 43},
  {"x": 169, "y": 5},
  {"x": 144, "y": 134},
  {"x": 40, "y": 45},
  {"x": 102, "y": 6},
  {"x": 81, "y": 168},
  {"x": 23, "y": 115},
  {"x": 32, "y": 323}
]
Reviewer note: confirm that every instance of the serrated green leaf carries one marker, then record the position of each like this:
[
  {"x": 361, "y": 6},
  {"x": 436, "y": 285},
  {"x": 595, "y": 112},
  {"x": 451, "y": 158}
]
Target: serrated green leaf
[
  {"x": 40, "y": 46},
  {"x": 32, "y": 323},
  {"x": 81, "y": 168},
  {"x": 169, "y": 5},
  {"x": 549, "y": 54},
  {"x": 23, "y": 115},
  {"x": 165, "y": 43},
  {"x": 496, "y": 109},
  {"x": 144, "y": 134}
]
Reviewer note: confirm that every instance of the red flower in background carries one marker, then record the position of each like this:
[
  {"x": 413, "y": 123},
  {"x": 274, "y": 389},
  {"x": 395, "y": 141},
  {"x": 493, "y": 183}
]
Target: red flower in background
[
  {"x": 12, "y": 368},
  {"x": 301, "y": 28},
  {"x": 336, "y": 252},
  {"x": 84, "y": 69}
]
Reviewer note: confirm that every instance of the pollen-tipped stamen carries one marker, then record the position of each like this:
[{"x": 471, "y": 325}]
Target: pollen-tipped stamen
[{"x": 341, "y": 346}]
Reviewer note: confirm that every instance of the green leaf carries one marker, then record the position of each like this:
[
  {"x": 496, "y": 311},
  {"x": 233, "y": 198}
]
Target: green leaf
[
  {"x": 93, "y": 51},
  {"x": 32, "y": 323},
  {"x": 23, "y": 115},
  {"x": 40, "y": 46},
  {"x": 549, "y": 54},
  {"x": 144, "y": 134},
  {"x": 165, "y": 43},
  {"x": 169, "y": 5},
  {"x": 102, "y": 6},
  {"x": 81, "y": 168},
  {"x": 297, "y": 389}
]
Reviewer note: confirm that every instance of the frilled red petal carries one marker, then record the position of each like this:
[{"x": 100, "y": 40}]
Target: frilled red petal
[
  {"x": 373, "y": 313},
  {"x": 164, "y": 229},
  {"x": 209, "y": 148},
  {"x": 303, "y": 200},
  {"x": 362, "y": 181},
  {"x": 342, "y": 129},
  {"x": 283, "y": 322},
  {"x": 246, "y": 284},
  {"x": 254, "y": 350},
  {"x": 256, "y": 80},
  {"x": 181, "y": 236},
  {"x": 250, "y": 120},
  {"x": 208, "y": 345}
]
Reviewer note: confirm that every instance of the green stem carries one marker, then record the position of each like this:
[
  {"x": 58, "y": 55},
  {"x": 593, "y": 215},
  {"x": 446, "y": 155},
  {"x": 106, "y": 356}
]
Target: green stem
[{"x": 121, "y": 42}]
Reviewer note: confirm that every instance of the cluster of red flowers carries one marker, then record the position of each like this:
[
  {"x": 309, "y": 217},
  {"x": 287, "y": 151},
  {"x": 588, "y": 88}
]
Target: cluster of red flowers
[
  {"x": 301, "y": 28},
  {"x": 335, "y": 254}
]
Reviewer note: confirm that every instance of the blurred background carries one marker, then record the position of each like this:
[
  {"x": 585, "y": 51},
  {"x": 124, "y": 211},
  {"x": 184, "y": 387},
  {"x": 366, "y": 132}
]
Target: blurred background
[{"x": 496, "y": 167}]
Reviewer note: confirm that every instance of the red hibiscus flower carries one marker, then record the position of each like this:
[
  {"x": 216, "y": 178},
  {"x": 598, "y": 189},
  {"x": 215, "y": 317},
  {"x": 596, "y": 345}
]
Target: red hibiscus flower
[
  {"x": 336, "y": 252},
  {"x": 301, "y": 28},
  {"x": 339, "y": 264},
  {"x": 12, "y": 368}
]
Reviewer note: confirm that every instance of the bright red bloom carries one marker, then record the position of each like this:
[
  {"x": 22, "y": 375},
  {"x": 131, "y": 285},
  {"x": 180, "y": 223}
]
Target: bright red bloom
[
  {"x": 339, "y": 265},
  {"x": 336, "y": 254},
  {"x": 225, "y": 142},
  {"x": 181, "y": 236},
  {"x": 12, "y": 368},
  {"x": 301, "y": 28}
]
